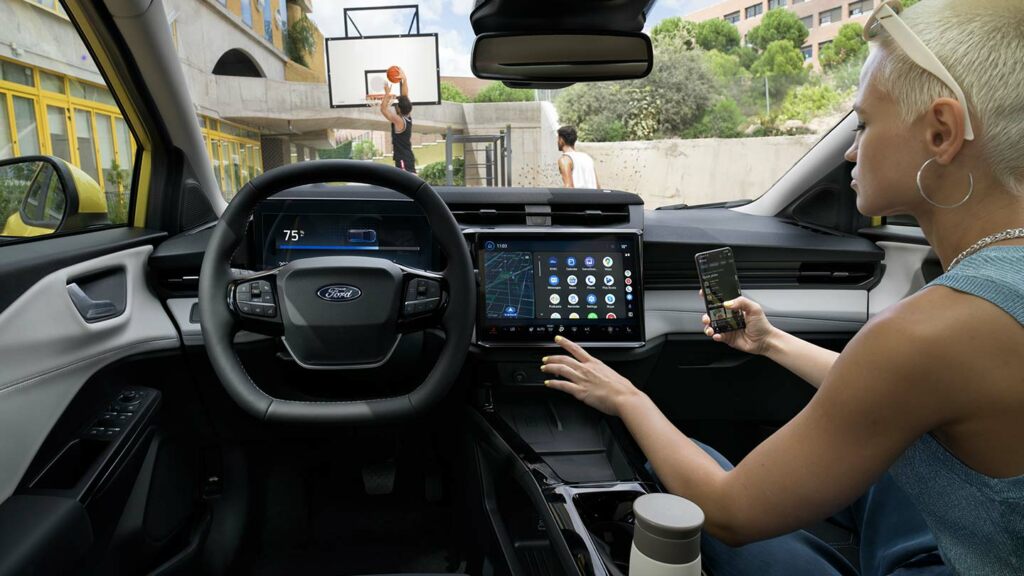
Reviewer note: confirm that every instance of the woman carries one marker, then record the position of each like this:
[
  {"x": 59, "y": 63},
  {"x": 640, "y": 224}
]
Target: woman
[{"x": 932, "y": 389}]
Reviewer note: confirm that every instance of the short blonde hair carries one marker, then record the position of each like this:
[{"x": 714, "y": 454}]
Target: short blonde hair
[{"x": 981, "y": 43}]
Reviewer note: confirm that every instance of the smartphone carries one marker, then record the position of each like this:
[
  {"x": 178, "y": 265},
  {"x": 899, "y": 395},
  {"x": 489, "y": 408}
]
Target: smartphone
[{"x": 717, "y": 272}]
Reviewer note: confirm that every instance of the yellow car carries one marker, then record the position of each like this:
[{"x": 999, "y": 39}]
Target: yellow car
[{"x": 60, "y": 196}]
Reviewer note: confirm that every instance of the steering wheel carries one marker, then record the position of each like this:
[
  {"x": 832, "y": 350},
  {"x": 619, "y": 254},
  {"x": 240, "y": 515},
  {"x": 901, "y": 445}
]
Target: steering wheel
[{"x": 336, "y": 312}]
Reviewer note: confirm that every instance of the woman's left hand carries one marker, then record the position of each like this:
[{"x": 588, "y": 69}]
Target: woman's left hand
[{"x": 587, "y": 379}]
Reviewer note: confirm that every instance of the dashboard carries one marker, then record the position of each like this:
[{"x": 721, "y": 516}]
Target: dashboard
[{"x": 533, "y": 284}]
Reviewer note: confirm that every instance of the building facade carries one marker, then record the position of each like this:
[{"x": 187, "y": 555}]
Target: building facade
[{"x": 823, "y": 18}]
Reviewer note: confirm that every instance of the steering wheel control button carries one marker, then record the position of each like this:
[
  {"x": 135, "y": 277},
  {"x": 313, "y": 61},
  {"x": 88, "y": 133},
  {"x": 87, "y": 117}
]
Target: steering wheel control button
[{"x": 421, "y": 296}]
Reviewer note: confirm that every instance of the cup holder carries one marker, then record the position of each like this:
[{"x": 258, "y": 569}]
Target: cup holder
[{"x": 608, "y": 517}]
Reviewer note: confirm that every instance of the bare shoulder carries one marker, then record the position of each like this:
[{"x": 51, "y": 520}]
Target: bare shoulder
[{"x": 939, "y": 336}]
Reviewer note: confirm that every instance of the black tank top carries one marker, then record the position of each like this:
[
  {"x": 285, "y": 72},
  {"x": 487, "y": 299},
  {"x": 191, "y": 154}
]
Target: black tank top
[{"x": 401, "y": 143}]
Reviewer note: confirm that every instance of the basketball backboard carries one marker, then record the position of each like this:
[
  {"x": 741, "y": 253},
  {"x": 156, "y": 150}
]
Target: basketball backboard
[{"x": 357, "y": 65}]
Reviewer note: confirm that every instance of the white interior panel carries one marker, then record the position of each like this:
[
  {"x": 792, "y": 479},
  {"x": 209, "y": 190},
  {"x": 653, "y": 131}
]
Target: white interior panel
[
  {"x": 351, "y": 61},
  {"x": 680, "y": 311},
  {"x": 47, "y": 351},
  {"x": 902, "y": 275}
]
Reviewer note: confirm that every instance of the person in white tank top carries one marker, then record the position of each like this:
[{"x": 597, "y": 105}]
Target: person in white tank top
[{"x": 576, "y": 168}]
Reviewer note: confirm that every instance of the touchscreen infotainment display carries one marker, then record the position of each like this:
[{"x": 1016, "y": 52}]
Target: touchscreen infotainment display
[{"x": 586, "y": 287}]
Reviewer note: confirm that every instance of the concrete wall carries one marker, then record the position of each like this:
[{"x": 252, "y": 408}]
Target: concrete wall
[
  {"x": 206, "y": 30},
  {"x": 534, "y": 142},
  {"x": 63, "y": 51},
  {"x": 696, "y": 171}
]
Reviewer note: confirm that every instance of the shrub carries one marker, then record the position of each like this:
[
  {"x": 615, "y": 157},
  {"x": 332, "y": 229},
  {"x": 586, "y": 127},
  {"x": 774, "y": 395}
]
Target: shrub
[
  {"x": 435, "y": 173},
  {"x": 809, "y": 101},
  {"x": 723, "y": 120},
  {"x": 364, "y": 150},
  {"x": 498, "y": 92},
  {"x": 451, "y": 93}
]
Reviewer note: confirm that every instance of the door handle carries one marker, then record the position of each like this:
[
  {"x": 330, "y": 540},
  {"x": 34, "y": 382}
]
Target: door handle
[{"x": 91, "y": 310}]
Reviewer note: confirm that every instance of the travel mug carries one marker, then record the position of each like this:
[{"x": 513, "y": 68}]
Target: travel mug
[{"x": 666, "y": 536}]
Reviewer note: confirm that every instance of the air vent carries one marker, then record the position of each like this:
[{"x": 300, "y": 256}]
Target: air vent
[
  {"x": 539, "y": 215},
  {"x": 489, "y": 214},
  {"x": 589, "y": 214},
  {"x": 679, "y": 276}
]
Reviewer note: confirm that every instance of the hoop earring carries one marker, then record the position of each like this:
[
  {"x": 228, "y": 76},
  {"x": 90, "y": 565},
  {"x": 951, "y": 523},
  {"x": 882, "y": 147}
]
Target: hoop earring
[{"x": 920, "y": 189}]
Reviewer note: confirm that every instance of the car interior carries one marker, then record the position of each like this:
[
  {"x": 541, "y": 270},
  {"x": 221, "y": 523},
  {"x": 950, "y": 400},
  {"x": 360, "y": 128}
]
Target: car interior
[{"x": 190, "y": 394}]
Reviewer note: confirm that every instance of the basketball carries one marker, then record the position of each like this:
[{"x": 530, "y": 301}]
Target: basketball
[{"x": 394, "y": 74}]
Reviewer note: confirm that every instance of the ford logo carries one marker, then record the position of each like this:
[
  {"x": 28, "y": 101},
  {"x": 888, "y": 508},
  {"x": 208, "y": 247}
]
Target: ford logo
[{"x": 339, "y": 293}]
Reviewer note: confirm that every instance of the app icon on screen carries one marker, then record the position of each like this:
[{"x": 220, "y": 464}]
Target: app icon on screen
[
  {"x": 610, "y": 316},
  {"x": 489, "y": 245},
  {"x": 555, "y": 299},
  {"x": 591, "y": 280},
  {"x": 591, "y": 298},
  {"x": 588, "y": 261},
  {"x": 552, "y": 261},
  {"x": 574, "y": 316},
  {"x": 628, "y": 273},
  {"x": 571, "y": 280},
  {"x": 553, "y": 280},
  {"x": 609, "y": 298},
  {"x": 629, "y": 288},
  {"x": 628, "y": 281},
  {"x": 607, "y": 261},
  {"x": 570, "y": 261},
  {"x": 608, "y": 280},
  {"x": 592, "y": 316},
  {"x": 573, "y": 298},
  {"x": 555, "y": 316},
  {"x": 629, "y": 297},
  {"x": 510, "y": 311}
]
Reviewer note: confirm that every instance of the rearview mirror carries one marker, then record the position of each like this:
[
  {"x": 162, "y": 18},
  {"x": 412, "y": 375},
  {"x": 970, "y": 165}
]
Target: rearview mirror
[{"x": 562, "y": 57}]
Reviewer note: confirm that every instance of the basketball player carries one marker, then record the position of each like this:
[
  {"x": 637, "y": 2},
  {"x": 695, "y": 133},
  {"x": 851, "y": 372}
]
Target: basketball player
[
  {"x": 400, "y": 118},
  {"x": 576, "y": 168}
]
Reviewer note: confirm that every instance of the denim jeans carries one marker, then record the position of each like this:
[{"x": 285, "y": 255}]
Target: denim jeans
[{"x": 894, "y": 541}]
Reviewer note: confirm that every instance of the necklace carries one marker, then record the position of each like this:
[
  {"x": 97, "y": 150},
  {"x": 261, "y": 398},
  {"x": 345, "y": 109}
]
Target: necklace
[{"x": 1008, "y": 234}]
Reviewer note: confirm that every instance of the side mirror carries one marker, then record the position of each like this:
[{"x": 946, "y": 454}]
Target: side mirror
[
  {"x": 42, "y": 195},
  {"x": 561, "y": 57}
]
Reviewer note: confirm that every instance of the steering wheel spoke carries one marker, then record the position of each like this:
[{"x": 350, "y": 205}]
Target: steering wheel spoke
[
  {"x": 424, "y": 299},
  {"x": 255, "y": 303}
]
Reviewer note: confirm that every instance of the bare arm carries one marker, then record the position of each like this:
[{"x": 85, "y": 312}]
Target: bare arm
[
  {"x": 404, "y": 84},
  {"x": 389, "y": 112},
  {"x": 806, "y": 360},
  {"x": 800, "y": 357},
  {"x": 565, "y": 169},
  {"x": 870, "y": 409}
]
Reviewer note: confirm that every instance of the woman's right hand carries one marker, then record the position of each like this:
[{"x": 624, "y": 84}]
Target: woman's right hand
[{"x": 754, "y": 338}]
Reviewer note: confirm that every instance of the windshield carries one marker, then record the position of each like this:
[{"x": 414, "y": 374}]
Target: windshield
[{"x": 740, "y": 90}]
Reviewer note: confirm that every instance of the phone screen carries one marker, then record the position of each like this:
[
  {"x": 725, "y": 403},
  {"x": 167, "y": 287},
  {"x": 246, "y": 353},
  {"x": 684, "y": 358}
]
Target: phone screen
[{"x": 718, "y": 278}]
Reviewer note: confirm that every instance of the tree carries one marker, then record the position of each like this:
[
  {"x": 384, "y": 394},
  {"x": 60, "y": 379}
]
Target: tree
[
  {"x": 723, "y": 120},
  {"x": 783, "y": 66},
  {"x": 498, "y": 92},
  {"x": 909, "y": 3},
  {"x": 780, "y": 59},
  {"x": 778, "y": 24},
  {"x": 451, "y": 93},
  {"x": 670, "y": 100},
  {"x": 675, "y": 30},
  {"x": 717, "y": 34},
  {"x": 747, "y": 56},
  {"x": 849, "y": 45}
]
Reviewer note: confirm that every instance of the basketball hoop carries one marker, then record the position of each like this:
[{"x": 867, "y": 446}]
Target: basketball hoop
[{"x": 374, "y": 99}]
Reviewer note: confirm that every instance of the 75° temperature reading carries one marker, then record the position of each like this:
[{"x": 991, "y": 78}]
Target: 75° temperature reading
[{"x": 293, "y": 235}]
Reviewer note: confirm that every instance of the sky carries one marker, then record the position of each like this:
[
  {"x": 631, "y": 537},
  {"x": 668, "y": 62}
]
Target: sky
[{"x": 449, "y": 18}]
